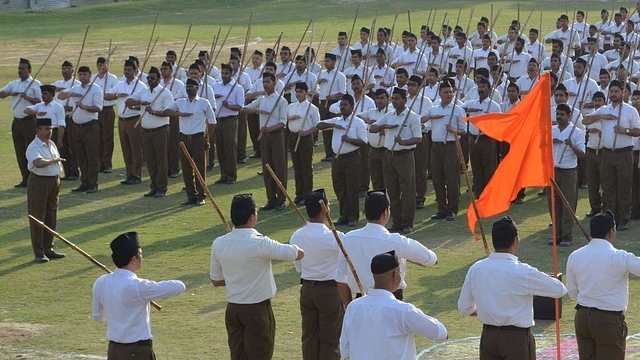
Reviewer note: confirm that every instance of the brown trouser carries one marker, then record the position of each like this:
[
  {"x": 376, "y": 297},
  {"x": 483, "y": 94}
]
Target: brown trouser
[
  {"x": 635, "y": 189},
  {"x": 482, "y": 154},
  {"x": 67, "y": 152},
  {"x": 251, "y": 329},
  {"x": 302, "y": 160},
  {"x": 322, "y": 314},
  {"x": 253, "y": 123},
  {"x": 22, "y": 132},
  {"x": 87, "y": 143},
  {"x": 155, "y": 150},
  {"x": 420, "y": 158},
  {"x": 399, "y": 168},
  {"x": 226, "y": 135},
  {"x": 118, "y": 351},
  {"x": 364, "y": 168},
  {"x": 345, "y": 176},
  {"x": 42, "y": 203},
  {"x": 196, "y": 147},
  {"x": 616, "y": 177},
  {"x": 567, "y": 182},
  {"x": 106, "y": 120},
  {"x": 593, "y": 163},
  {"x": 273, "y": 152},
  {"x": 327, "y": 135},
  {"x": 507, "y": 342},
  {"x": 446, "y": 176},
  {"x": 601, "y": 335},
  {"x": 173, "y": 147},
  {"x": 242, "y": 136},
  {"x": 376, "y": 156},
  {"x": 131, "y": 144}
]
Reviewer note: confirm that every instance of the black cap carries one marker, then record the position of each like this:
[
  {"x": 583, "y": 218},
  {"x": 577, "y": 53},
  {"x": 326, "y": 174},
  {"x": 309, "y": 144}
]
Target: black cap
[
  {"x": 312, "y": 201},
  {"x": 348, "y": 98},
  {"x": 416, "y": 79},
  {"x": 125, "y": 245},
  {"x": 355, "y": 77},
  {"x": 203, "y": 53},
  {"x": 241, "y": 201},
  {"x": 592, "y": 39},
  {"x": 192, "y": 82},
  {"x": 43, "y": 122},
  {"x": 384, "y": 262},
  {"x": 376, "y": 200},
  {"x": 381, "y": 52},
  {"x": 342, "y": 33},
  {"x": 447, "y": 83},
  {"x": 154, "y": 70},
  {"x": 234, "y": 57},
  {"x": 171, "y": 52},
  {"x": 356, "y": 51},
  {"x": 635, "y": 93},
  {"x": 167, "y": 64},
  {"x": 269, "y": 51},
  {"x": 616, "y": 83},
  {"x": 194, "y": 66},
  {"x": 533, "y": 60},
  {"x": 235, "y": 49},
  {"x": 533, "y": 30},
  {"x": 198, "y": 62},
  {"x": 562, "y": 87},
  {"x": 258, "y": 52},
  {"x": 226, "y": 66},
  {"x": 84, "y": 69},
  {"x": 412, "y": 35},
  {"x": 581, "y": 61},
  {"x": 48, "y": 88},
  {"x": 399, "y": 91},
  {"x": 130, "y": 63},
  {"x": 381, "y": 92},
  {"x": 330, "y": 56},
  {"x": 366, "y": 30},
  {"x": 67, "y": 64},
  {"x": 382, "y": 30},
  {"x": 300, "y": 57},
  {"x": 604, "y": 72},
  {"x": 285, "y": 48},
  {"x": 101, "y": 60},
  {"x": 405, "y": 33},
  {"x": 134, "y": 59},
  {"x": 25, "y": 61},
  {"x": 504, "y": 230},
  {"x": 271, "y": 64},
  {"x": 302, "y": 86},
  {"x": 602, "y": 223}
]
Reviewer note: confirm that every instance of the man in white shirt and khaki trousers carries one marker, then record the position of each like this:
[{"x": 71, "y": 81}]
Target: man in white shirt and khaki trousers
[{"x": 241, "y": 261}]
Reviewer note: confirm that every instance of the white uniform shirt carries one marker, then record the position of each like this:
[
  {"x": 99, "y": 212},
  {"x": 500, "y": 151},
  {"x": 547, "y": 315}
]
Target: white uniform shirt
[
  {"x": 366, "y": 48},
  {"x": 411, "y": 129},
  {"x": 361, "y": 105},
  {"x": 576, "y": 117},
  {"x": 599, "y": 62},
  {"x": 439, "y": 131},
  {"x": 376, "y": 140},
  {"x": 378, "y": 326},
  {"x": 416, "y": 59},
  {"x": 598, "y": 275},
  {"x": 517, "y": 67},
  {"x": 581, "y": 90},
  {"x": 271, "y": 103},
  {"x": 236, "y": 98},
  {"x": 373, "y": 239},
  {"x": 465, "y": 53},
  {"x": 205, "y": 92},
  {"x": 303, "y": 124},
  {"x": 254, "y": 73},
  {"x": 331, "y": 86},
  {"x": 93, "y": 96},
  {"x": 285, "y": 69},
  {"x": 537, "y": 51},
  {"x": 38, "y": 149},
  {"x": 242, "y": 79},
  {"x": 259, "y": 87},
  {"x": 604, "y": 39},
  {"x": 320, "y": 262},
  {"x": 343, "y": 57},
  {"x": 176, "y": 87},
  {"x": 307, "y": 77},
  {"x": 546, "y": 65},
  {"x": 20, "y": 86},
  {"x": 569, "y": 160},
  {"x": 358, "y": 130},
  {"x": 63, "y": 85},
  {"x": 202, "y": 113},
  {"x": 486, "y": 106},
  {"x": 439, "y": 60},
  {"x": 383, "y": 74},
  {"x": 242, "y": 258},
  {"x": 480, "y": 58},
  {"x": 594, "y": 138},
  {"x": 159, "y": 100},
  {"x": 566, "y": 36},
  {"x": 582, "y": 28},
  {"x": 629, "y": 119},
  {"x": 432, "y": 92},
  {"x": 501, "y": 289},
  {"x": 122, "y": 299},
  {"x": 363, "y": 72},
  {"x": 122, "y": 87},
  {"x": 464, "y": 84},
  {"x": 54, "y": 111},
  {"x": 107, "y": 82}
]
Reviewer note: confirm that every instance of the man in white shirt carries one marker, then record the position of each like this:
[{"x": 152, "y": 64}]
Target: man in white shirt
[
  {"x": 580, "y": 25},
  {"x": 499, "y": 290},
  {"x": 65, "y": 146},
  {"x": 526, "y": 83},
  {"x": 569, "y": 36},
  {"x": 255, "y": 70},
  {"x": 557, "y": 48},
  {"x": 535, "y": 48},
  {"x": 598, "y": 280},
  {"x": 107, "y": 116},
  {"x": 593, "y": 157},
  {"x": 52, "y": 110},
  {"x": 241, "y": 261},
  {"x": 378, "y": 326},
  {"x": 604, "y": 23},
  {"x": 122, "y": 299},
  {"x": 412, "y": 60},
  {"x": 364, "y": 44},
  {"x": 320, "y": 305},
  {"x": 459, "y": 52},
  {"x": 360, "y": 69},
  {"x": 516, "y": 62},
  {"x": 376, "y": 140},
  {"x": 481, "y": 54},
  {"x": 383, "y": 75},
  {"x": 596, "y": 60},
  {"x": 43, "y": 187},
  {"x": 176, "y": 87},
  {"x": 332, "y": 85},
  {"x": 342, "y": 52}
]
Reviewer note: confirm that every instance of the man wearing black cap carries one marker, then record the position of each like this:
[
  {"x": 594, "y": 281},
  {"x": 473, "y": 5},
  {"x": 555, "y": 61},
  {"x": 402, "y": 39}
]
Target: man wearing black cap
[
  {"x": 241, "y": 261},
  {"x": 598, "y": 280},
  {"x": 106, "y": 116},
  {"x": 301, "y": 74},
  {"x": 23, "y": 94},
  {"x": 286, "y": 66},
  {"x": 383, "y": 75},
  {"x": 213, "y": 72},
  {"x": 52, "y": 110},
  {"x": 446, "y": 122},
  {"x": 593, "y": 158},
  {"x": 129, "y": 134},
  {"x": 312, "y": 65},
  {"x": 617, "y": 161},
  {"x": 534, "y": 47},
  {"x": 403, "y": 131},
  {"x": 565, "y": 34},
  {"x": 412, "y": 60},
  {"x": 461, "y": 51},
  {"x": 155, "y": 131},
  {"x": 363, "y": 244},
  {"x": 89, "y": 100},
  {"x": 578, "y": 90},
  {"x": 499, "y": 290},
  {"x": 255, "y": 70},
  {"x": 377, "y": 326},
  {"x": 171, "y": 57},
  {"x": 302, "y": 118},
  {"x": 66, "y": 145},
  {"x": 272, "y": 109},
  {"x": 364, "y": 44},
  {"x": 333, "y": 84},
  {"x": 342, "y": 52},
  {"x": 360, "y": 69},
  {"x": 138, "y": 72},
  {"x": 320, "y": 304},
  {"x": 229, "y": 100},
  {"x": 269, "y": 55},
  {"x": 418, "y": 103},
  {"x": 43, "y": 186},
  {"x": 350, "y": 133},
  {"x": 597, "y": 60},
  {"x": 176, "y": 87},
  {"x": 557, "y": 47},
  {"x": 243, "y": 80},
  {"x": 122, "y": 299},
  {"x": 526, "y": 83},
  {"x": 376, "y": 140}
]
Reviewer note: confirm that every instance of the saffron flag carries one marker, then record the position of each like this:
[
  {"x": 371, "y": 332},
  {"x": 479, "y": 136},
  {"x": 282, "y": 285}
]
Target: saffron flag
[{"x": 529, "y": 163}]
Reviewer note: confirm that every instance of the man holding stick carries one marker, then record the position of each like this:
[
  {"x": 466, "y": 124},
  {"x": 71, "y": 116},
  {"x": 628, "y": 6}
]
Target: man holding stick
[
  {"x": 333, "y": 84},
  {"x": 23, "y": 127},
  {"x": 65, "y": 142},
  {"x": 106, "y": 116},
  {"x": 122, "y": 299},
  {"x": 176, "y": 87},
  {"x": 229, "y": 100}
]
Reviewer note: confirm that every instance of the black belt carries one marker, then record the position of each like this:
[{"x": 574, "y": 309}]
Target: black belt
[
  {"x": 400, "y": 152},
  {"x": 147, "y": 342},
  {"x": 578, "y": 307},
  {"x": 442, "y": 143},
  {"x": 592, "y": 151},
  {"x": 349, "y": 154},
  {"x": 624, "y": 149},
  {"x": 192, "y": 136},
  {"x": 107, "y": 107},
  {"x": 564, "y": 170},
  {"x": 505, "y": 327},
  {"x": 636, "y": 152},
  {"x": 273, "y": 133},
  {"x": 480, "y": 136},
  {"x": 264, "y": 302},
  {"x": 129, "y": 118},
  {"x": 45, "y": 176},
  {"x": 318, "y": 282},
  {"x": 379, "y": 149},
  {"x": 87, "y": 124},
  {"x": 155, "y": 129},
  {"x": 25, "y": 118},
  {"x": 226, "y": 117}
]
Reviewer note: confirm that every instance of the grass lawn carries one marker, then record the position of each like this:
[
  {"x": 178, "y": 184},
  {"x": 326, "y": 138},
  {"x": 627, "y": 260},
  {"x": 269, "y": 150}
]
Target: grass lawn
[{"x": 48, "y": 307}]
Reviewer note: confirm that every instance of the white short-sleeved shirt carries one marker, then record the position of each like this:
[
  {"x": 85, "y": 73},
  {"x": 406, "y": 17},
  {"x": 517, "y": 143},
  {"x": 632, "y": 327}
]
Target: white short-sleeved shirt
[
  {"x": 412, "y": 128},
  {"x": 54, "y": 111},
  {"x": 273, "y": 103},
  {"x": 93, "y": 96},
  {"x": 357, "y": 130},
  {"x": 563, "y": 156},
  {"x": 131, "y": 88},
  {"x": 629, "y": 119},
  {"x": 38, "y": 149},
  {"x": 302, "y": 109},
  {"x": 202, "y": 114},
  {"x": 106, "y": 82},
  {"x": 159, "y": 100},
  {"x": 17, "y": 103},
  {"x": 320, "y": 262}
]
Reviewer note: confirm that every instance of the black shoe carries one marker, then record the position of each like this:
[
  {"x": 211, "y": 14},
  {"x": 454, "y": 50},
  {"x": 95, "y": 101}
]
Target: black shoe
[
  {"x": 429, "y": 177},
  {"x": 394, "y": 229},
  {"x": 300, "y": 200},
  {"x": 326, "y": 159},
  {"x": 363, "y": 193},
  {"x": 69, "y": 178},
  {"x": 107, "y": 170},
  {"x": 160, "y": 194},
  {"x": 407, "y": 229},
  {"x": 280, "y": 207},
  {"x": 209, "y": 167},
  {"x": 565, "y": 242},
  {"x": 267, "y": 207},
  {"x": 438, "y": 216},
  {"x": 230, "y": 182},
  {"x": 151, "y": 193},
  {"x": 518, "y": 201},
  {"x": 550, "y": 242},
  {"x": 55, "y": 255},
  {"x": 80, "y": 188},
  {"x": 451, "y": 216},
  {"x": 134, "y": 181},
  {"x": 419, "y": 205},
  {"x": 584, "y": 186},
  {"x": 341, "y": 222},
  {"x": 173, "y": 175},
  {"x": 242, "y": 161},
  {"x": 220, "y": 181},
  {"x": 623, "y": 225},
  {"x": 22, "y": 184},
  {"x": 255, "y": 156},
  {"x": 593, "y": 213},
  {"x": 259, "y": 173},
  {"x": 92, "y": 190},
  {"x": 189, "y": 202},
  {"x": 41, "y": 260},
  {"x": 542, "y": 192},
  {"x": 126, "y": 181},
  {"x": 352, "y": 223},
  {"x": 200, "y": 202}
]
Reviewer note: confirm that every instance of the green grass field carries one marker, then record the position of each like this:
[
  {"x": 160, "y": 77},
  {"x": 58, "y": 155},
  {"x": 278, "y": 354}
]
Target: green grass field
[{"x": 47, "y": 307}]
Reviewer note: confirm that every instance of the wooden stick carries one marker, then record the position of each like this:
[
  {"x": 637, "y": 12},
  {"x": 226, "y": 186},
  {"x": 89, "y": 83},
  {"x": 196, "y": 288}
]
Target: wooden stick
[
  {"x": 204, "y": 185},
  {"x": 224, "y": 41},
  {"x": 632, "y": 51},
  {"x": 37, "y": 73},
  {"x": 76, "y": 248},
  {"x": 84, "y": 40},
  {"x": 304, "y": 121},
  {"x": 342, "y": 248},
  {"x": 106, "y": 77},
  {"x": 214, "y": 43},
  {"x": 428, "y": 18},
  {"x": 567, "y": 206},
  {"x": 153, "y": 31},
  {"x": 433, "y": 20},
  {"x": 284, "y": 191},
  {"x": 353, "y": 26},
  {"x": 564, "y": 66},
  {"x": 408, "y": 17},
  {"x": 458, "y": 19}
]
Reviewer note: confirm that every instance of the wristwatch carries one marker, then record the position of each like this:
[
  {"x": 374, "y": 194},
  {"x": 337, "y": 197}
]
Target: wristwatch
[{"x": 626, "y": 131}]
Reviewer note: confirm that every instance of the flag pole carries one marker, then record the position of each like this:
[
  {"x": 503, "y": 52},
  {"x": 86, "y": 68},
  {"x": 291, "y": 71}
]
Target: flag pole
[
  {"x": 567, "y": 206},
  {"x": 554, "y": 224}
]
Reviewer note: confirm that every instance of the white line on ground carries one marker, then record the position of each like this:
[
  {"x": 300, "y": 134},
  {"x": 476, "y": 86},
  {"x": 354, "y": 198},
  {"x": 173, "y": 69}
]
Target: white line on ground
[{"x": 64, "y": 355}]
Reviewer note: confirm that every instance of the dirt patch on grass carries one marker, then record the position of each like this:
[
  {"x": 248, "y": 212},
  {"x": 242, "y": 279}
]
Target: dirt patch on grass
[{"x": 12, "y": 332}]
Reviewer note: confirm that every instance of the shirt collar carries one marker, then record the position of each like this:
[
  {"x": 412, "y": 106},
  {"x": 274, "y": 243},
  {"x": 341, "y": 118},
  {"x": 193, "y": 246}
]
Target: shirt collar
[
  {"x": 377, "y": 227},
  {"x": 381, "y": 293},
  {"x": 601, "y": 243},
  {"x": 126, "y": 273},
  {"x": 503, "y": 255}
]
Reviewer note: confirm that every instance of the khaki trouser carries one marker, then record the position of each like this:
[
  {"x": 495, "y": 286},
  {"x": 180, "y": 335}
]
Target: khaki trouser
[
  {"x": 273, "y": 152},
  {"x": 251, "y": 329},
  {"x": 106, "y": 120},
  {"x": 155, "y": 150},
  {"x": 398, "y": 168},
  {"x": 196, "y": 147},
  {"x": 567, "y": 182},
  {"x": 322, "y": 315},
  {"x": 601, "y": 335},
  {"x": 242, "y": 136},
  {"x": 507, "y": 342},
  {"x": 131, "y": 144},
  {"x": 86, "y": 143},
  {"x": 22, "y": 132},
  {"x": 421, "y": 158},
  {"x": 446, "y": 176},
  {"x": 226, "y": 135},
  {"x": 173, "y": 147},
  {"x": 253, "y": 124},
  {"x": 345, "y": 176},
  {"x": 376, "y": 156},
  {"x": 593, "y": 163},
  {"x": 482, "y": 154},
  {"x": 616, "y": 176},
  {"x": 129, "y": 351},
  {"x": 42, "y": 203},
  {"x": 302, "y": 160}
]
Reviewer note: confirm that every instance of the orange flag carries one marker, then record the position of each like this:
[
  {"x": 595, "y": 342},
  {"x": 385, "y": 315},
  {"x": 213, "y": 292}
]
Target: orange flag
[{"x": 529, "y": 163}]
